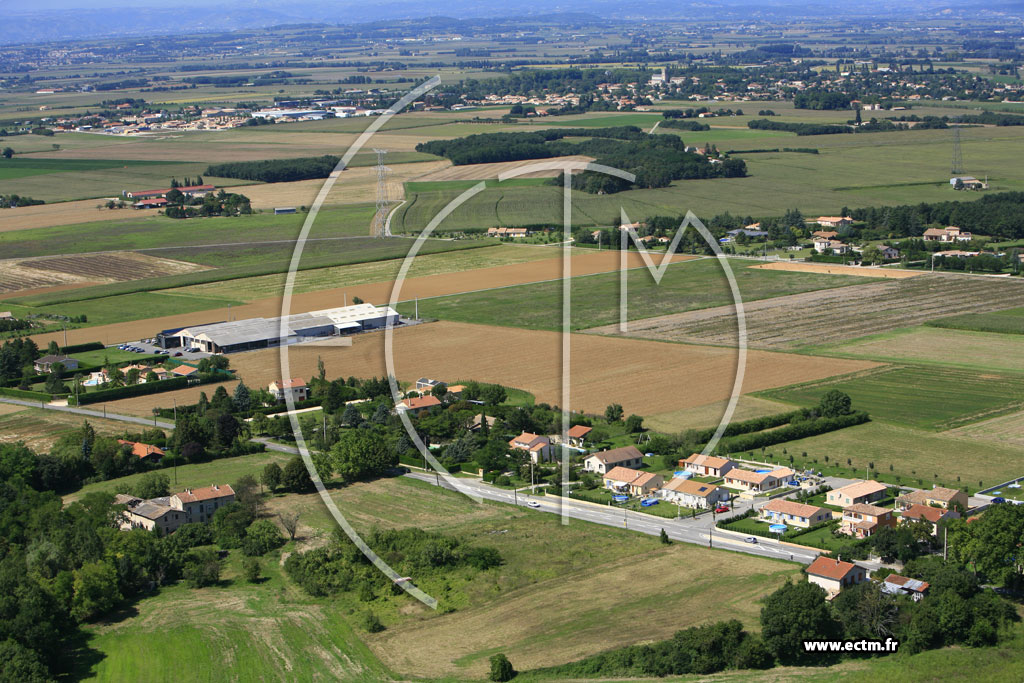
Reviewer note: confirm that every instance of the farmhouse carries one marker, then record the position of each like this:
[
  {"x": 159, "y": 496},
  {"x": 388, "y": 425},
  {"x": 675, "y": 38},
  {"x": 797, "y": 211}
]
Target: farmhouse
[
  {"x": 296, "y": 387},
  {"x": 262, "y": 333},
  {"x": 825, "y": 234},
  {"x": 969, "y": 183},
  {"x": 632, "y": 481},
  {"x": 863, "y": 520},
  {"x": 748, "y": 480},
  {"x": 791, "y": 513},
  {"x": 417, "y": 403},
  {"x": 707, "y": 465},
  {"x": 46, "y": 363},
  {"x": 200, "y": 504},
  {"x": 950, "y": 234},
  {"x": 539, "y": 447},
  {"x": 144, "y": 451},
  {"x": 948, "y": 499},
  {"x": 693, "y": 494},
  {"x": 507, "y": 232},
  {"x": 857, "y": 492},
  {"x": 895, "y": 584},
  {"x": 167, "y": 513},
  {"x": 188, "y": 191},
  {"x": 834, "y": 575},
  {"x": 627, "y": 456},
  {"x": 834, "y": 221},
  {"x": 888, "y": 252},
  {"x": 927, "y": 513},
  {"x": 577, "y": 435}
]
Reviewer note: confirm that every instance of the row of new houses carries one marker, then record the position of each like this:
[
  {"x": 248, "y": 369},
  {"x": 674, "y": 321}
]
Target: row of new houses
[{"x": 835, "y": 575}]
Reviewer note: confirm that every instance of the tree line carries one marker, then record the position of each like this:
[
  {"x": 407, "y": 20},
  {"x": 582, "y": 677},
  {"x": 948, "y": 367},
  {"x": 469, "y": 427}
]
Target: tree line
[{"x": 276, "y": 170}]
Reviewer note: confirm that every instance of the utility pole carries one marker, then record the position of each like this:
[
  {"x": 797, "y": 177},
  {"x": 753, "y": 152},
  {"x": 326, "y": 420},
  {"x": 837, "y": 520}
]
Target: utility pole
[
  {"x": 175, "y": 428},
  {"x": 945, "y": 542},
  {"x": 417, "y": 314}
]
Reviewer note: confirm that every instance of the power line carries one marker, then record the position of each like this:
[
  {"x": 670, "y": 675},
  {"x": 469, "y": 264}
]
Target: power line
[
  {"x": 380, "y": 219},
  {"x": 958, "y": 160}
]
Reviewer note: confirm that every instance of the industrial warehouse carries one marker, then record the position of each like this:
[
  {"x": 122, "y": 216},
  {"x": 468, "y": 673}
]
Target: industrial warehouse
[{"x": 262, "y": 333}]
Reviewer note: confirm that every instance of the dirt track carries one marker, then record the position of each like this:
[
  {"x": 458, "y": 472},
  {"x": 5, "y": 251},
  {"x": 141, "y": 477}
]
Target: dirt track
[
  {"x": 833, "y": 315},
  {"x": 838, "y": 269}
]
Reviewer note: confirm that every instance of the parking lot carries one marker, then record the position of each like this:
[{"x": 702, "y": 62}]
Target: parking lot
[{"x": 148, "y": 346}]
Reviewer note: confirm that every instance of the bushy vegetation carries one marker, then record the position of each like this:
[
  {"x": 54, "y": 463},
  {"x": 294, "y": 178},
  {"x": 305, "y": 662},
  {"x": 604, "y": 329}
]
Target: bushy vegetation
[
  {"x": 276, "y": 170},
  {"x": 800, "y": 128}
]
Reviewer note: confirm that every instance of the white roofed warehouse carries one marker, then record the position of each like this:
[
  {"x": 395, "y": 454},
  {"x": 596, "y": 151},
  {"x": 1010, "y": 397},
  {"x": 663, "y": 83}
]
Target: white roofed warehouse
[{"x": 262, "y": 333}]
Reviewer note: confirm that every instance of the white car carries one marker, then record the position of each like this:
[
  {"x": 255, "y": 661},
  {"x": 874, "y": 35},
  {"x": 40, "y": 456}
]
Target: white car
[{"x": 533, "y": 504}]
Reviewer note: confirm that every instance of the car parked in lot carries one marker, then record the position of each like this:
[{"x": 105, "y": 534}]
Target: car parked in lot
[{"x": 178, "y": 354}]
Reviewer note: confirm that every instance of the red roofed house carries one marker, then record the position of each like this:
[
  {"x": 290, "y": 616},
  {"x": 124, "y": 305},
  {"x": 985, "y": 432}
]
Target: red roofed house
[
  {"x": 627, "y": 456},
  {"x": 539, "y": 447},
  {"x": 792, "y": 513},
  {"x": 950, "y": 234},
  {"x": 143, "y": 450},
  {"x": 200, "y": 504},
  {"x": 834, "y": 575},
  {"x": 862, "y": 520},
  {"x": 707, "y": 465},
  {"x": 834, "y": 221},
  {"x": 904, "y": 585},
  {"x": 184, "y": 371},
  {"x": 296, "y": 386},
  {"x": 577, "y": 434},
  {"x": 927, "y": 513},
  {"x": 630, "y": 481},
  {"x": 418, "y": 403}
]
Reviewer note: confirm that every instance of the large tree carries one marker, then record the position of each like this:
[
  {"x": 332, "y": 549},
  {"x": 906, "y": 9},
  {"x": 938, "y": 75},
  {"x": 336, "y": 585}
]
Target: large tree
[
  {"x": 794, "y": 613},
  {"x": 362, "y": 453}
]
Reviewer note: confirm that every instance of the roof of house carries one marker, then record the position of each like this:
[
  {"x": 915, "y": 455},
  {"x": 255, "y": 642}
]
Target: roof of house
[
  {"x": 828, "y": 568},
  {"x": 918, "y": 511},
  {"x": 923, "y": 496},
  {"x": 142, "y": 450},
  {"x": 907, "y": 583},
  {"x": 184, "y": 370},
  {"x": 791, "y": 507},
  {"x": 53, "y": 359},
  {"x": 579, "y": 431},
  {"x": 617, "y": 455},
  {"x": 630, "y": 476},
  {"x": 935, "y": 232},
  {"x": 419, "y": 402},
  {"x": 151, "y": 510},
  {"x": 861, "y": 488},
  {"x": 833, "y": 219},
  {"x": 826, "y": 234},
  {"x": 206, "y": 493},
  {"x": 747, "y": 476},
  {"x": 865, "y": 509},
  {"x": 293, "y": 383},
  {"x": 707, "y": 461},
  {"x": 690, "y": 487}
]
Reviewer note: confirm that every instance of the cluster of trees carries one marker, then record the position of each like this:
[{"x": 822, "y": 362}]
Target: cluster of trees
[
  {"x": 13, "y": 201},
  {"x": 222, "y": 203},
  {"x": 16, "y": 357},
  {"x": 685, "y": 124},
  {"x": 277, "y": 170},
  {"x": 212, "y": 430},
  {"x": 821, "y": 99},
  {"x": 800, "y": 128},
  {"x": 341, "y": 566},
  {"x": 1000, "y": 215}
]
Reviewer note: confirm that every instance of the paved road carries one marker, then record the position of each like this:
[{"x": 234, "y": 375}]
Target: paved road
[
  {"x": 91, "y": 412},
  {"x": 683, "y": 530}
]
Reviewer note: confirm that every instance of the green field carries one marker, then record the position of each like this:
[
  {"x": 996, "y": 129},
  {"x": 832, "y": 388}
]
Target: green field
[
  {"x": 22, "y": 167},
  {"x": 595, "y": 298},
  {"x": 923, "y": 397},
  {"x": 1010, "y": 321},
  {"x": 419, "y": 187}
]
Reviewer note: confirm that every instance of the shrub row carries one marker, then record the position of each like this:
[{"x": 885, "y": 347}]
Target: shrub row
[
  {"x": 33, "y": 395},
  {"x": 796, "y": 430},
  {"x": 755, "y": 424},
  {"x": 129, "y": 391}
]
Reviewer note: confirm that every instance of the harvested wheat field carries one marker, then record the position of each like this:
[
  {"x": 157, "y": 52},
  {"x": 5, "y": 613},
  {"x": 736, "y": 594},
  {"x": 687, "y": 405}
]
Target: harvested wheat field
[
  {"x": 18, "y": 275},
  {"x": 657, "y": 378},
  {"x": 1007, "y": 430},
  {"x": 493, "y": 170},
  {"x": 584, "y": 262},
  {"x": 354, "y": 186},
  {"x": 39, "y": 429},
  {"x": 62, "y": 213},
  {"x": 836, "y": 269},
  {"x": 831, "y": 316}
]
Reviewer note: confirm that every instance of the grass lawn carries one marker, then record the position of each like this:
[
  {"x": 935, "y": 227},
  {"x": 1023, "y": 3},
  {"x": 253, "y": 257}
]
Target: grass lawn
[
  {"x": 39, "y": 429},
  {"x": 685, "y": 286},
  {"x": 1010, "y": 321},
  {"x": 924, "y": 397},
  {"x": 915, "y": 456},
  {"x": 111, "y": 354}
]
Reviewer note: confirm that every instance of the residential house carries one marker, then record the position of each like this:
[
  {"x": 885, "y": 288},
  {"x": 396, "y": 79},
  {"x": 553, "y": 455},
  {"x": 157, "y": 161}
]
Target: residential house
[
  {"x": 144, "y": 451},
  {"x": 748, "y": 480},
  {"x": 455, "y": 390},
  {"x": 633, "y": 482},
  {"x": 863, "y": 520},
  {"x": 425, "y": 385},
  {"x": 185, "y": 371},
  {"x": 507, "y": 232},
  {"x": 707, "y": 465},
  {"x": 927, "y": 513},
  {"x": 295, "y": 387},
  {"x": 627, "y": 456},
  {"x": 825, "y": 234},
  {"x": 46, "y": 363},
  {"x": 478, "y": 422},
  {"x": 896, "y": 584},
  {"x": 950, "y": 234},
  {"x": 539, "y": 447},
  {"x": 837, "y": 247},
  {"x": 792, "y": 513},
  {"x": 888, "y": 253},
  {"x": 577, "y": 434},
  {"x": 200, "y": 504},
  {"x": 693, "y": 494},
  {"x": 857, "y": 492},
  {"x": 157, "y": 513},
  {"x": 938, "y": 496},
  {"x": 834, "y": 221},
  {"x": 834, "y": 575},
  {"x": 417, "y": 403}
]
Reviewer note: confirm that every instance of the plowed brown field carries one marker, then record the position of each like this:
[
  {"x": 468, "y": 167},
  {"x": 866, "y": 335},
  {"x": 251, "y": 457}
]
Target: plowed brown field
[
  {"x": 18, "y": 275},
  {"x": 837, "y": 269},
  {"x": 651, "y": 377}
]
